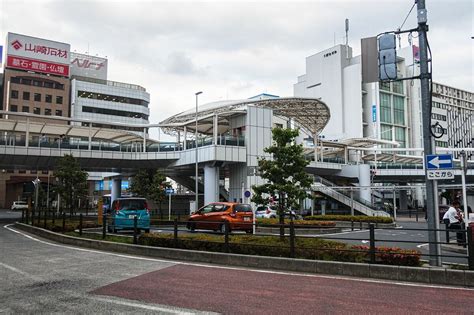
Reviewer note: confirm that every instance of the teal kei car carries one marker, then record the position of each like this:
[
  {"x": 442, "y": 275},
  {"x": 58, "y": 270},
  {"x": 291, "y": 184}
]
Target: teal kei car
[{"x": 123, "y": 212}]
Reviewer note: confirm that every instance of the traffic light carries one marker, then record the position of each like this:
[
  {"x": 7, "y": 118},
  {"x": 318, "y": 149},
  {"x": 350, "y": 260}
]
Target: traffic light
[{"x": 387, "y": 57}]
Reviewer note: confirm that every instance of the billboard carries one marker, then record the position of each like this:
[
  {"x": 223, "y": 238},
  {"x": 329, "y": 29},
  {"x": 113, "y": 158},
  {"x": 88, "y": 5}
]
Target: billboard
[
  {"x": 88, "y": 66},
  {"x": 36, "y": 54}
]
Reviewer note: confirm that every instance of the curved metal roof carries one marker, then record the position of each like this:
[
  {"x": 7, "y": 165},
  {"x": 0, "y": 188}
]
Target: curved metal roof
[{"x": 309, "y": 114}]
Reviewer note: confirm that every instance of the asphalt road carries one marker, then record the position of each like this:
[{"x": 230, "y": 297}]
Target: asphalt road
[{"x": 38, "y": 276}]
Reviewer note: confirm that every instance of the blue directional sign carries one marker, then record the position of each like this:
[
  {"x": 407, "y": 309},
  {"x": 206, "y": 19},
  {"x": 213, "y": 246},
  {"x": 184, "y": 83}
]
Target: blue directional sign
[
  {"x": 439, "y": 161},
  {"x": 169, "y": 191},
  {"x": 374, "y": 113}
]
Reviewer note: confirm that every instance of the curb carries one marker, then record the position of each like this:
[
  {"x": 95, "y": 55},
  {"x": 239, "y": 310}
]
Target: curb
[{"x": 399, "y": 273}]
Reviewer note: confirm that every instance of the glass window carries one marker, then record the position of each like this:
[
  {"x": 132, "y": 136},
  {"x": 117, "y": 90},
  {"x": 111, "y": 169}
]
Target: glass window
[
  {"x": 47, "y": 111},
  {"x": 398, "y": 110},
  {"x": 25, "y": 109},
  {"x": 385, "y": 108},
  {"x": 400, "y": 136},
  {"x": 37, "y": 110},
  {"x": 207, "y": 209},
  {"x": 37, "y": 97},
  {"x": 386, "y": 132},
  {"x": 385, "y": 86},
  {"x": 59, "y": 112},
  {"x": 243, "y": 208},
  {"x": 13, "y": 108},
  {"x": 15, "y": 80},
  {"x": 14, "y": 94},
  {"x": 26, "y": 81},
  {"x": 59, "y": 86},
  {"x": 398, "y": 87},
  {"x": 48, "y": 98},
  {"x": 59, "y": 99},
  {"x": 37, "y": 83},
  {"x": 48, "y": 84},
  {"x": 26, "y": 96}
]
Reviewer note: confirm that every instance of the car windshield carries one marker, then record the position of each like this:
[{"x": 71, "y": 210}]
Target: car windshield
[
  {"x": 132, "y": 204},
  {"x": 261, "y": 208}
]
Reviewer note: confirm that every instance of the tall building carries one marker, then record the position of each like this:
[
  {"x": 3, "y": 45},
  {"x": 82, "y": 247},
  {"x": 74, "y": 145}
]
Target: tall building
[
  {"x": 95, "y": 98},
  {"x": 383, "y": 110},
  {"x": 36, "y": 77}
]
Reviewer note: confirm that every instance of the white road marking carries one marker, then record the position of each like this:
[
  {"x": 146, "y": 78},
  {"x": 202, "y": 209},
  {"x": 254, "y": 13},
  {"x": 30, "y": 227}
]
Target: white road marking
[
  {"x": 246, "y": 269},
  {"x": 11, "y": 268},
  {"x": 147, "y": 307},
  {"x": 364, "y": 241},
  {"x": 422, "y": 245}
]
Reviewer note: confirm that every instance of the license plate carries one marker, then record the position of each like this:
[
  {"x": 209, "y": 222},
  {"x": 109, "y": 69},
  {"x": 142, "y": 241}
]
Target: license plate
[
  {"x": 246, "y": 218},
  {"x": 131, "y": 216}
]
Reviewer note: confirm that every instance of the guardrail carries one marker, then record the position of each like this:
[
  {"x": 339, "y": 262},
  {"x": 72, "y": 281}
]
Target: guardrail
[{"x": 291, "y": 244}]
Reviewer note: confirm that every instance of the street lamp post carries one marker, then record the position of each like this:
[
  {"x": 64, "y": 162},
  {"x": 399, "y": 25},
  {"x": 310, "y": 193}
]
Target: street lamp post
[{"x": 196, "y": 147}]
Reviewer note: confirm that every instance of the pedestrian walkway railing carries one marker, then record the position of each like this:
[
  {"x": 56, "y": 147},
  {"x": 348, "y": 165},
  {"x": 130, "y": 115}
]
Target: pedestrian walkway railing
[{"x": 354, "y": 242}]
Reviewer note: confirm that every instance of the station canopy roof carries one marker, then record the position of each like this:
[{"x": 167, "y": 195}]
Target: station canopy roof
[
  {"x": 309, "y": 114},
  {"x": 114, "y": 135}
]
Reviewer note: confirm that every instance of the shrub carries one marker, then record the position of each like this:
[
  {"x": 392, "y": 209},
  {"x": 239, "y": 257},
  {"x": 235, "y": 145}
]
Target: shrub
[
  {"x": 355, "y": 218},
  {"x": 313, "y": 223},
  {"x": 392, "y": 255}
]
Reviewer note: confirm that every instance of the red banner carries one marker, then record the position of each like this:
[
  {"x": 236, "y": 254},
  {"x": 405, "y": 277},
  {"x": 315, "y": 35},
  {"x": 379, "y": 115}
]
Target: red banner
[{"x": 37, "y": 66}]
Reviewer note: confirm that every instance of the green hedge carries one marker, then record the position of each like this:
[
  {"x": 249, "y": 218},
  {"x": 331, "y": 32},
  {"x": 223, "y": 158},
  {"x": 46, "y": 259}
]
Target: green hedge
[
  {"x": 267, "y": 222},
  {"x": 305, "y": 248},
  {"x": 355, "y": 218}
]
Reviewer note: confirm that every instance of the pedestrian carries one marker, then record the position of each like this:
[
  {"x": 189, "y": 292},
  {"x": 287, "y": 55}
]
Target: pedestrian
[{"x": 453, "y": 217}]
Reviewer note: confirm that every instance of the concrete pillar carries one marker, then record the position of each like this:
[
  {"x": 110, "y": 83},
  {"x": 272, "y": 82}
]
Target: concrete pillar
[
  {"x": 211, "y": 184},
  {"x": 185, "y": 137},
  {"x": 364, "y": 180},
  {"x": 27, "y": 138},
  {"x": 144, "y": 139},
  {"x": 215, "y": 128},
  {"x": 116, "y": 189},
  {"x": 403, "y": 200}
]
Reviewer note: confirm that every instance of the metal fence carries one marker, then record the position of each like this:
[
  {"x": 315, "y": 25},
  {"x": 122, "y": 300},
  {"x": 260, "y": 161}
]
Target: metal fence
[{"x": 373, "y": 244}]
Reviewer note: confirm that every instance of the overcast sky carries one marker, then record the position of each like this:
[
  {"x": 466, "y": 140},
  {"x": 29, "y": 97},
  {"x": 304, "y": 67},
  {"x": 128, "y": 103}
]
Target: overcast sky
[{"x": 233, "y": 50}]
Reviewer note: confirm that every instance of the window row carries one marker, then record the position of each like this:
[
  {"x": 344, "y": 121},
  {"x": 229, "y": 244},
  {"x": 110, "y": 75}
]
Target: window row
[
  {"x": 36, "y": 97},
  {"x": 438, "y": 117},
  {"x": 113, "y": 112},
  {"x": 112, "y": 98},
  {"x": 392, "y": 109},
  {"x": 36, "y": 110},
  {"x": 442, "y": 144},
  {"x": 49, "y": 84}
]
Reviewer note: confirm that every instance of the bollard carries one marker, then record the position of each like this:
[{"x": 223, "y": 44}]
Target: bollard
[
  {"x": 175, "y": 229},
  {"x": 39, "y": 217},
  {"x": 360, "y": 223},
  {"x": 135, "y": 230},
  {"x": 447, "y": 232},
  {"x": 80, "y": 224},
  {"x": 54, "y": 217},
  {"x": 44, "y": 219},
  {"x": 161, "y": 215},
  {"x": 179, "y": 216},
  {"x": 470, "y": 250},
  {"x": 372, "y": 243},
  {"x": 292, "y": 239},
  {"x": 226, "y": 236},
  {"x": 22, "y": 215},
  {"x": 64, "y": 222},
  {"x": 352, "y": 224},
  {"x": 416, "y": 215},
  {"x": 33, "y": 216},
  {"x": 104, "y": 226}
]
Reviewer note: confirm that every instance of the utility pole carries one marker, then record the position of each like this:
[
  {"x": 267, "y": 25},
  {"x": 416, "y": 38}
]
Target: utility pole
[{"x": 425, "y": 76}]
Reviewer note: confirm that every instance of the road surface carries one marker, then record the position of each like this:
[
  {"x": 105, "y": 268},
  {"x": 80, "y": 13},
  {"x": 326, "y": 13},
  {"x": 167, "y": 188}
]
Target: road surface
[{"x": 38, "y": 276}]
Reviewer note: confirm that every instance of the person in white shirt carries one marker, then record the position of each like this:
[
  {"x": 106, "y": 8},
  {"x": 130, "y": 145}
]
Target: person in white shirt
[{"x": 453, "y": 217}]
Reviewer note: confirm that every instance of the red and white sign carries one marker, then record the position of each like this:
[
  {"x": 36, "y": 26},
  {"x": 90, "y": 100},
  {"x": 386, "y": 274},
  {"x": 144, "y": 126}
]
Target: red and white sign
[
  {"x": 88, "y": 66},
  {"x": 36, "y": 54},
  {"x": 37, "y": 66}
]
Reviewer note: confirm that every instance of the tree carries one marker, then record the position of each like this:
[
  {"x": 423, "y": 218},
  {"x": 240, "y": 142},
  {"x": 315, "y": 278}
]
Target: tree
[
  {"x": 72, "y": 181},
  {"x": 150, "y": 185},
  {"x": 285, "y": 173}
]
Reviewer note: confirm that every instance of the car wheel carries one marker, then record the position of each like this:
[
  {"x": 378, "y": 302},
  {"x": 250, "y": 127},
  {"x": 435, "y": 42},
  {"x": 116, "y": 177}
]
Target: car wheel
[
  {"x": 223, "y": 228},
  {"x": 192, "y": 226},
  {"x": 249, "y": 231},
  {"x": 147, "y": 230}
]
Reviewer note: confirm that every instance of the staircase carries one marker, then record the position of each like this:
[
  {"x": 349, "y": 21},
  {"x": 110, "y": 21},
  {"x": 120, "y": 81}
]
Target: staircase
[
  {"x": 326, "y": 187},
  {"x": 189, "y": 183}
]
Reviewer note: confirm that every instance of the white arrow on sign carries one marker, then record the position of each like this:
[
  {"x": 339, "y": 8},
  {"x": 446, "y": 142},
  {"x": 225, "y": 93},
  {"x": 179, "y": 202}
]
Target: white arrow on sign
[{"x": 436, "y": 162}]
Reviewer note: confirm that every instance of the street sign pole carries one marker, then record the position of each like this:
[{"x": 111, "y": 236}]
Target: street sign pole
[
  {"x": 463, "y": 181},
  {"x": 169, "y": 207},
  {"x": 425, "y": 77}
]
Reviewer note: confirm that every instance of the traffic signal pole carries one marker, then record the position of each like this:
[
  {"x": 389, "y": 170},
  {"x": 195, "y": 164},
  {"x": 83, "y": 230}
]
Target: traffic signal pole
[{"x": 425, "y": 76}]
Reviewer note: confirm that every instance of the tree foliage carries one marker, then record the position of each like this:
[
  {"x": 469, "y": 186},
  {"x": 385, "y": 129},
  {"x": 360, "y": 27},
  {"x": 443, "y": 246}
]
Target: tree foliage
[
  {"x": 285, "y": 173},
  {"x": 72, "y": 181},
  {"x": 151, "y": 185}
]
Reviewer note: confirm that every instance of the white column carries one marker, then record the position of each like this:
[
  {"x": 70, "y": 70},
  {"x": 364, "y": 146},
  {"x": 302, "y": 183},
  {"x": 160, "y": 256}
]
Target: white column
[
  {"x": 144, "y": 139},
  {"x": 116, "y": 189},
  {"x": 185, "y": 137},
  {"x": 211, "y": 187},
  {"x": 215, "y": 128},
  {"x": 89, "y": 146},
  {"x": 27, "y": 140},
  {"x": 364, "y": 180}
]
